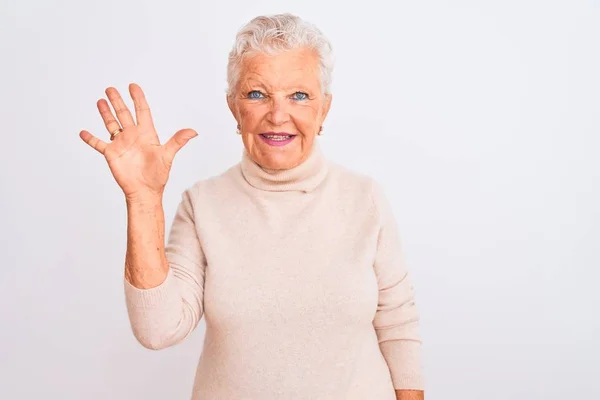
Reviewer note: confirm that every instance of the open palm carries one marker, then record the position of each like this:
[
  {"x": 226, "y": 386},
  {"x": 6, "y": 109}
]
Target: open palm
[{"x": 137, "y": 160}]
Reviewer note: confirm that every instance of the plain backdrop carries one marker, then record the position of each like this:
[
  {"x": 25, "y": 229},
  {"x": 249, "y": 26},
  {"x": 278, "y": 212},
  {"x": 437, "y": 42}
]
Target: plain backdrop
[{"x": 480, "y": 119}]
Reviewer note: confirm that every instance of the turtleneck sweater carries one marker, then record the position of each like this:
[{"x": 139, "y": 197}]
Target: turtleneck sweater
[{"x": 301, "y": 278}]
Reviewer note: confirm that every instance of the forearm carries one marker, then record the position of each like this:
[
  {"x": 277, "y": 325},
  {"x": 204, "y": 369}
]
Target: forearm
[
  {"x": 164, "y": 283},
  {"x": 146, "y": 265},
  {"x": 410, "y": 395}
]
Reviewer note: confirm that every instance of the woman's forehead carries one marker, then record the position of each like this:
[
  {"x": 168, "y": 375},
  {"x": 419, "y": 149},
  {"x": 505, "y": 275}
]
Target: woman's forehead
[{"x": 281, "y": 70}]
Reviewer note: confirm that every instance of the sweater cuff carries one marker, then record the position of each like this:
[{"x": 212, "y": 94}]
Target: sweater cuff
[
  {"x": 151, "y": 298},
  {"x": 404, "y": 362}
]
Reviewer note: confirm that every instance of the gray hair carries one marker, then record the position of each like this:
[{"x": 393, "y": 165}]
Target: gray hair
[{"x": 276, "y": 33}]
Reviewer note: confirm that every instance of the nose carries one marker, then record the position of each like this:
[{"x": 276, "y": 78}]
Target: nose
[{"x": 278, "y": 114}]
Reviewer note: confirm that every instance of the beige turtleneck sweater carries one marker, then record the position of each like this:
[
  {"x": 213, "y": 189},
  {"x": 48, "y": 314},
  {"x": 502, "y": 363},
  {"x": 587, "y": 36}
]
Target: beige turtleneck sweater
[{"x": 301, "y": 279}]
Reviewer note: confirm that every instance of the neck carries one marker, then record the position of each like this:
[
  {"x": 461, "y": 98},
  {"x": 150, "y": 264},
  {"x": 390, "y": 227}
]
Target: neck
[{"x": 305, "y": 177}]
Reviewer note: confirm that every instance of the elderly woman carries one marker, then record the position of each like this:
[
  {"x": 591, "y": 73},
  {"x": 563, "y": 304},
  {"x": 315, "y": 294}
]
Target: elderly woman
[{"x": 294, "y": 261}]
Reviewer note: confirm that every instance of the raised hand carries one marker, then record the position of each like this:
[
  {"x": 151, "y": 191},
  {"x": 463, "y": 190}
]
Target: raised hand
[{"x": 137, "y": 160}]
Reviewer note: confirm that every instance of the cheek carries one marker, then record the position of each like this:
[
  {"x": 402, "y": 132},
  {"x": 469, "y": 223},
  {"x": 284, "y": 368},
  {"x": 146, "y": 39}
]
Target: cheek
[
  {"x": 306, "y": 118},
  {"x": 251, "y": 115},
  {"x": 245, "y": 114}
]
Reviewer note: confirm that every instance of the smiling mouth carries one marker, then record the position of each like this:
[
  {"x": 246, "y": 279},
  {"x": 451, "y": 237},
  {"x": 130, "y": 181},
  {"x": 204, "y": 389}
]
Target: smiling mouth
[{"x": 281, "y": 137}]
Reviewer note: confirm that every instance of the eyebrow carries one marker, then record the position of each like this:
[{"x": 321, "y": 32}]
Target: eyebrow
[{"x": 248, "y": 85}]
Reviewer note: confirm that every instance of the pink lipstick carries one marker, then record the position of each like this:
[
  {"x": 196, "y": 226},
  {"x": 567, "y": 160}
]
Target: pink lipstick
[{"x": 277, "y": 138}]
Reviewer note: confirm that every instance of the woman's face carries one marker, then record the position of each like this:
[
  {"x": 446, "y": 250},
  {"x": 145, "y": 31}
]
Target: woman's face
[{"x": 279, "y": 106}]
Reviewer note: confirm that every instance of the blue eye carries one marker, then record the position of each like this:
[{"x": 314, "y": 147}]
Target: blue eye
[
  {"x": 255, "y": 94},
  {"x": 300, "y": 96}
]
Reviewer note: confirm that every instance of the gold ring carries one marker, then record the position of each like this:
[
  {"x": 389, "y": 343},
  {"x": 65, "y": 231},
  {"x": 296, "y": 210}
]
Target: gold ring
[{"x": 115, "y": 133}]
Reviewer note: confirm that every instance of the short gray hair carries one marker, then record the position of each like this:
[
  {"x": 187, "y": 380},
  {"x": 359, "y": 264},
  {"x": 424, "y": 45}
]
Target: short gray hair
[{"x": 275, "y": 33}]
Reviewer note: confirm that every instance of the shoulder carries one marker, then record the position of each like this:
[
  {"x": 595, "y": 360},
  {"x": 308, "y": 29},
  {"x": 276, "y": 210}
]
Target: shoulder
[
  {"x": 217, "y": 188},
  {"x": 358, "y": 185},
  {"x": 348, "y": 178},
  {"x": 370, "y": 198}
]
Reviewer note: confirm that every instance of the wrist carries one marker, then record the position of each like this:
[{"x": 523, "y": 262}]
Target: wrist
[{"x": 144, "y": 199}]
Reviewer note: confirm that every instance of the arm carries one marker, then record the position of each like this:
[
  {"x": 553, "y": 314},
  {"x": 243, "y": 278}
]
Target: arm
[
  {"x": 146, "y": 265},
  {"x": 410, "y": 395},
  {"x": 396, "y": 321},
  {"x": 163, "y": 285}
]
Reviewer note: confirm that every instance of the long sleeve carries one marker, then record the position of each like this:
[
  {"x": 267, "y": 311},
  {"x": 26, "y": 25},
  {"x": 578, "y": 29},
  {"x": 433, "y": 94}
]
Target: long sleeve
[
  {"x": 165, "y": 315},
  {"x": 397, "y": 320}
]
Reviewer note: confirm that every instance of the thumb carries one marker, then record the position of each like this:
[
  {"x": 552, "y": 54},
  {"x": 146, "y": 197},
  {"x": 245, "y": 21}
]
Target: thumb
[{"x": 178, "y": 140}]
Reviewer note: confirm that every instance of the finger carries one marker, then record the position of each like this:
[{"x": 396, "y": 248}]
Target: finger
[
  {"x": 93, "y": 141},
  {"x": 142, "y": 109},
  {"x": 123, "y": 114},
  {"x": 109, "y": 119},
  {"x": 178, "y": 140}
]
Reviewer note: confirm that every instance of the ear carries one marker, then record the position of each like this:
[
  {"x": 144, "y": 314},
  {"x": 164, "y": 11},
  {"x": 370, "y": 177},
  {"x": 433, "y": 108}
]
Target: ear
[{"x": 326, "y": 105}]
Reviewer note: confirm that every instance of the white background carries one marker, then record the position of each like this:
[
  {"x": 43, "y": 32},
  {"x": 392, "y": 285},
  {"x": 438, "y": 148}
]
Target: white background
[{"x": 481, "y": 120}]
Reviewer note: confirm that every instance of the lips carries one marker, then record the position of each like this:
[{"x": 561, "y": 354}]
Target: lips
[{"x": 277, "y": 138}]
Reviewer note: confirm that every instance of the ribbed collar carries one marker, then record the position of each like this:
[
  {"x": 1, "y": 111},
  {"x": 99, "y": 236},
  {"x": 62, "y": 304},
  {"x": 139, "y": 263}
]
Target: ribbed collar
[{"x": 304, "y": 177}]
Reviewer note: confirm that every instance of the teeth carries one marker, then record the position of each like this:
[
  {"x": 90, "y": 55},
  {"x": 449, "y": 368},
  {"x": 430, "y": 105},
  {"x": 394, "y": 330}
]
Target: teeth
[{"x": 277, "y": 137}]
